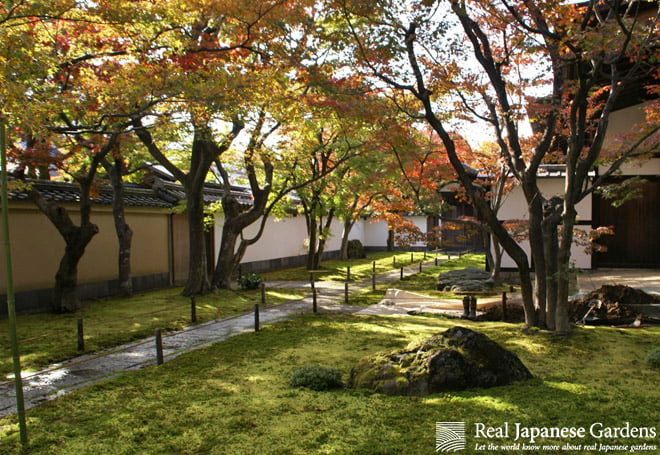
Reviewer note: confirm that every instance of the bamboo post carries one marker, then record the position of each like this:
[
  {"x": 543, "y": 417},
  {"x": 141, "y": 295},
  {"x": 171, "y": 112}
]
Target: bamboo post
[
  {"x": 81, "y": 338},
  {"x": 9, "y": 286},
  {"x": 159, "y": 347}
]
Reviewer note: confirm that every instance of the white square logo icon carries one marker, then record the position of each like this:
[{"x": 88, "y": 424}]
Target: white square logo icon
[{"x": 449, "y": 436}]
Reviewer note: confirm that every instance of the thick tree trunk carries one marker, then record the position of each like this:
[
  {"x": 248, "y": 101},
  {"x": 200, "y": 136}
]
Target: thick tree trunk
[
  {"x": 535, "y": 210},
  {"x": 551, "y": 218},
  {"x": 65, "y": 299},
  {"x": 227, "y": 259},
  {"x": 198, "y": 276}
]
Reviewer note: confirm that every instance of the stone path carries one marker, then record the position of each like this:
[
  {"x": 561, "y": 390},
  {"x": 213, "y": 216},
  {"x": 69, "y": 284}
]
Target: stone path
[{"x": 64, "y": 377}]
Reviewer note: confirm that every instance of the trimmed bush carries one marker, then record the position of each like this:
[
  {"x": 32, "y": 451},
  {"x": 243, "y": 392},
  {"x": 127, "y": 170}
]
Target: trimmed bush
[
  {"x": 250, "y": 281},
  {"x": 653, "y": 357},
  {"x": 356, "y": 250},
  {"x": 316, "y": 377}
]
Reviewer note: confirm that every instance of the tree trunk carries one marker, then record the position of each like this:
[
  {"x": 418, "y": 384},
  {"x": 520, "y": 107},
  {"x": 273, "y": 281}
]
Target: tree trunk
[
  {"x": 348, "y": 225},
  {"x": 493, "y": 256},
  {"x": 562, "y": 322},
  {"x": 535, "y": 209},
  {"x": 198, "y": 277},
  {"x": 227, "y": 259},
  {"x": 123, "y": 230},
  {"x": 390, "y": 239},
  {"x": 312, "y": 235},
  {"x": 552, "y": 209},
  {"x": 65, "y": 299}
]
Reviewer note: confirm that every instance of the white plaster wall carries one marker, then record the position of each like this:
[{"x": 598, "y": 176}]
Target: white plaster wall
[
  {"x": 281, "y": 238},
  {"x": 515, "y": 208},
  {"x": 580, "y": 258},
  {"x": 420, "y": 222},
  {"x": 375, "y": 233},
  {"x": 622, "y": 121}
]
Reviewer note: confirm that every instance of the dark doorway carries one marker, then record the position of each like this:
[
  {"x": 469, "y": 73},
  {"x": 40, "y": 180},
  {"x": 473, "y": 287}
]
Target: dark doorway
[{"x": 636, "y": 242}]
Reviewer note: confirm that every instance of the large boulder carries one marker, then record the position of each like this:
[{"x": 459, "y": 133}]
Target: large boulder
[
  {"x": 469, "y": 279},
  {"x": 456, "y": 359}
]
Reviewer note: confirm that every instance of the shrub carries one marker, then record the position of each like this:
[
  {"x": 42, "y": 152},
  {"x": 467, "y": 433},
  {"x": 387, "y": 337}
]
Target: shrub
[
  {"x": 653, "y": 357},
  {"x": 316, "y": 378},
  {"x": 250, "y": 281},
  {"x": 356, "y": 250}
]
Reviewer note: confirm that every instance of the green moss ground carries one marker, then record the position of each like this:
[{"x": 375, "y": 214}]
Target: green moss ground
[{"x": 234, "y": 397}]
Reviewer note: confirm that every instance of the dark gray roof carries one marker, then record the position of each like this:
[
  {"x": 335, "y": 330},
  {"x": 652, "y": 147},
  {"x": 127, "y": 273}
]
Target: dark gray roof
[{"x": 161, "y": 194}]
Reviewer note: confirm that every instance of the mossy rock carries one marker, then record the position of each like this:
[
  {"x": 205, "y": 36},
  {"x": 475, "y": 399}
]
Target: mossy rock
[{"x": 458, "y": 358}]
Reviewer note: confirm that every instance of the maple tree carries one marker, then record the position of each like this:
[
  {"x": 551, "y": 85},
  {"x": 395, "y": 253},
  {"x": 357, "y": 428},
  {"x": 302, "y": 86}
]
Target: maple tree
[{"x": 427, "y": 49}]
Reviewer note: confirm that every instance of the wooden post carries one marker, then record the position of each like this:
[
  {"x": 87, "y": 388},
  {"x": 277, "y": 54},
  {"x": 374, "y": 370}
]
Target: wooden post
[
  {"x": 412, "y": 257},
  {"x": 159, "y": 347},
  {"x": 263, "y": 293},
  {"x": 373, "y": 281},
  {"x": 394, "y": 261},
  {"x": 420, "y": 267},
  {"x": 473, "y": 307},
  {"x": 348, "y": 273},
  {"x": 373, "y": 267},
  {"x": 81, "y": 338},
  {"x": 402, "y": 272},
  {"x": 504, "y": 309},
  {"x": 314, "y": 307},
  {"x": 466, "y": 307},
  {"x": 256, "y": 317},
  {"x": 193, "y": 309},
  {"x": 346, "y": 292},
  {"x": 436, "y": 261}
]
